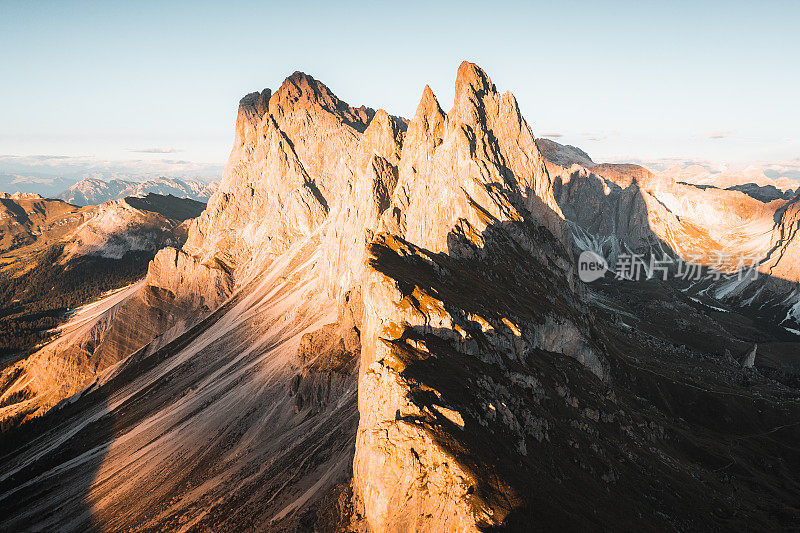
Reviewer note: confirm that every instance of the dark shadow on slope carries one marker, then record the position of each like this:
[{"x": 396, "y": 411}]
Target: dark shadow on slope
[
  {"x": 670, "y": 441},
  {"x": 168, "y": 205},
  {"x": 763, "y": 193},
  {"x": 44, "y": 493},
  {"x": 18, "y": 211}
]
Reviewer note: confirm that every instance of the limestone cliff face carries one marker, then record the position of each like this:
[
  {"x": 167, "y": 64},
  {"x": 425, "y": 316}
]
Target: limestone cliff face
[
  {"x": 617, "y": 208},
  {"x": 305, "y": 163},
  {"x": 298, "y": 158},
  {"x": 305, "y": 170},
  {"x": 371, "y": 180},
  {"x": 782, "y": 261},
  {"x": 775, "y": 290},
  {"x": 625, "y": 208}
]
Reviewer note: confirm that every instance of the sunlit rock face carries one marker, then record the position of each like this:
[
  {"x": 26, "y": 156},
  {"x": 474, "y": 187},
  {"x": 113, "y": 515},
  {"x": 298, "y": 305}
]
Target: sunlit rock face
[
  {"x": 301, "y": 158},
  {"x": 307, "y": 167},
  {"x": 465, "y": 177},
  {"x": 304, "y": 163},
  {"x": 441, "y": 337},
  {"x": 309, "y": 184}
]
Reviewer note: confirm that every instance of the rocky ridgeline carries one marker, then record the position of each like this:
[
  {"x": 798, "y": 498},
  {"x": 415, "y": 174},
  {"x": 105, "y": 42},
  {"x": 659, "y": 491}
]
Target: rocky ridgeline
[
  {"x": 376, "y": 325},
  {"x": 305, "y": 166},
  {"x": 93, "y": 191}
]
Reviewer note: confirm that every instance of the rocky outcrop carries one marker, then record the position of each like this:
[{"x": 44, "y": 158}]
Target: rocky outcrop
[
  {"x": 306, "y": 167},
  {"x": 468, "y": 180},
  {"x": 328, "y": 358},
  {"x": 190, "y": 284},
  {"x": 562, "y": 155},
  {"x": 115, "y": 228},
  {"x": 311, "y": 177},
  {"x": 417, "y": 466}
]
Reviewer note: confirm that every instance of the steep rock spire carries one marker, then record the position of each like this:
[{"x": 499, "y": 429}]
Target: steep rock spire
[{"x": 474, "y": 166}]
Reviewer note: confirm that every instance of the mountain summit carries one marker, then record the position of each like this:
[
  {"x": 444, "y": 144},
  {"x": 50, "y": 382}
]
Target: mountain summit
[{"x": 376, "y": 325}]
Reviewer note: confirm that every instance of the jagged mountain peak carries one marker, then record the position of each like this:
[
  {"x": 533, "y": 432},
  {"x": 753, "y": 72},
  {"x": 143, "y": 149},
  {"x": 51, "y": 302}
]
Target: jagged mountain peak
[
  {"x": 301, "y": 91},
  {"x": 303, "y": 86},
  {"x": 438, "y": 257},
  {"x": 428, "y": 120},
  {"x": 470, "y": 75},
  {"x": 428, "y": 102},
  {"x": 256, "y": 100},
  {"x": 479, "y": 159},
  {"x": 384, "y": 136},
  {"x": 476, "y": 98}
]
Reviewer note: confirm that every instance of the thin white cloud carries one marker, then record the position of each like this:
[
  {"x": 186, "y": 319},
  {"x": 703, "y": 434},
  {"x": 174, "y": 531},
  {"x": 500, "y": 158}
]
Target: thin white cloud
[
  {"x": 552, "y": 135},
  {"x": 77, "y": 167},
  {"x": 599, "y": 137},
  {"x": 157, "y": 150},
  {"x": 719, "y": 134}
]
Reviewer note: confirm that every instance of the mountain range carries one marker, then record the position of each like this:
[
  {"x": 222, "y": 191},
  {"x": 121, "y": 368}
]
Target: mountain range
[
  {"x": 92, "y": 191},
  {"x": 26, "y": 184},
  {"x": 377, "y": 324}
]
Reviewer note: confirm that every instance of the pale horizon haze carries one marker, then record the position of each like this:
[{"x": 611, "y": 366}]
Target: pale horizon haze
[{"x": 155, "y": 84}]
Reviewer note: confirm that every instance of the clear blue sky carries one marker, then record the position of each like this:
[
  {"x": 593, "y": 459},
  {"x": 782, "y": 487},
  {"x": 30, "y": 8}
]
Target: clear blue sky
[{"x": 621, "y": 79}]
